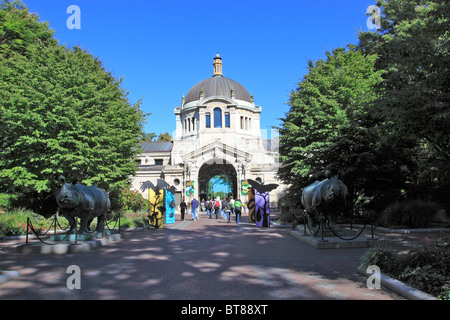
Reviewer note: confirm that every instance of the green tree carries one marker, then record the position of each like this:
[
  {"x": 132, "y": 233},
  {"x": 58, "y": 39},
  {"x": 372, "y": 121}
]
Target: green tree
[
  {"x": 164, "y": 137},
  {"x": 375, "y": 164},
  {"x": 377, "y": 114},
  {"x": 329, "y": 128},
  {"x": 412, "y": 46},
  {"x": 154, "y": 137},
  {"x": 332, "y": 96},
  {"x": 62, "y": 113},
  {"x": 147, "y": 136},
  {"x": 19, "y": 29}
]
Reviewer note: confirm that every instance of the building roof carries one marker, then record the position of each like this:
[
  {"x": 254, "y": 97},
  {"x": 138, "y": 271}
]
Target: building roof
[
  {"x": 156, "y": 146},
  {"x": 218, "y": 86}
]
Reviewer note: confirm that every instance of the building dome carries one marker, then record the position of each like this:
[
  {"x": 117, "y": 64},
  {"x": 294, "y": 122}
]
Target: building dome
[{"x": 218, "y": 86}]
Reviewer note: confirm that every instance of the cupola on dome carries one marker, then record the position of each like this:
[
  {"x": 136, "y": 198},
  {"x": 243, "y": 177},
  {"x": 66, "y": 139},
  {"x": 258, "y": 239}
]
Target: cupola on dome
[{"x": 218, "y": 86}]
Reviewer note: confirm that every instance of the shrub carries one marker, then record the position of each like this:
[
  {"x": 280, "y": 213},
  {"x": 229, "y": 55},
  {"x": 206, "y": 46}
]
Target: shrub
[
  {"x": 125, "y": 199},
  {"x": 289, "y": 204},
  {"x": 132, "y": 219},
  {"x": 385, "y": 258},
  {"x": 134, "y": 201},
  {"x": 410, "y": 214},
  {"x": 125, "y": 223},
  {"x": 7, "y": 201},
  {"x": 426, "y": 268},
  {"x": 14, "y": 223},
  {"x": 427, "y": 278}
]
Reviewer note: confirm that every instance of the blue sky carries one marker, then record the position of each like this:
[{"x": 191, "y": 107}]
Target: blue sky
[{"x": 162, "y": 48}]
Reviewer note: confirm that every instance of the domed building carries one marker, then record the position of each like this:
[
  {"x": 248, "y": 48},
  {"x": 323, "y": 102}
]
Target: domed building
[{"x": 217, "y": 134}]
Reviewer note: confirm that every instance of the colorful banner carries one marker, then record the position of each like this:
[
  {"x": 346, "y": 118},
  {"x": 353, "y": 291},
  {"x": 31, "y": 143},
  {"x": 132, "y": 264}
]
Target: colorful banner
[
  {"x": 169, "y": 202},
  {"x": 244, "y": 187},
  {"x": 156, "y": 207},
  {"x": 190, "y": 188}
]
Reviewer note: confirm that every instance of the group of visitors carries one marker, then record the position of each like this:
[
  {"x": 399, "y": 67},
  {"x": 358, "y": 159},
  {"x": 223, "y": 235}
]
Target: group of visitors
[{"x": 220, "y": 208}]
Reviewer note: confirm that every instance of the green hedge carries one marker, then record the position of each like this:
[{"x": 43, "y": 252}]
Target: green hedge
[{"x": 413, "y": 213}]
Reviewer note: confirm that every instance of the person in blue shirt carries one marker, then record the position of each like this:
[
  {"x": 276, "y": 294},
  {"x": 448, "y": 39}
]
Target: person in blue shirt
[{"x": 194, "y": 206}]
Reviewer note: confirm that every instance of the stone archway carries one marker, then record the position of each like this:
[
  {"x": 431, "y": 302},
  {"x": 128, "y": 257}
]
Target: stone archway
[{"x": 211, "y": 169}]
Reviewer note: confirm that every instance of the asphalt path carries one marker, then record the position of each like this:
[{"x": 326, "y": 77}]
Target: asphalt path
[{"x": 207, "y": 259}]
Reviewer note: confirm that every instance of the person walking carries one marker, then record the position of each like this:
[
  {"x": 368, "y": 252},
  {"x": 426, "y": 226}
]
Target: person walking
[
  {"x": 183, "y": 207},
  {"x": 238, "y": 207},
  {"x": 224, "y": 201},
  {"x": 194, "y": 206},
  {"x": 221, "y": 212},
  {"x": 227, "y": 208},
  {"x": 202, "y": 206},
  {"x": 217, "y": 207},
  {"x": 209, "y": 207},
  {"x": 232, "y": 203}
]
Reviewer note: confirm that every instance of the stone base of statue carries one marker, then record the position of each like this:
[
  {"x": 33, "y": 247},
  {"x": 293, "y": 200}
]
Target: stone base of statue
[
  {"x": 83, "y": 236},
  {"x": 327, "y": 232},
  {"x": 69, "y": 243}
]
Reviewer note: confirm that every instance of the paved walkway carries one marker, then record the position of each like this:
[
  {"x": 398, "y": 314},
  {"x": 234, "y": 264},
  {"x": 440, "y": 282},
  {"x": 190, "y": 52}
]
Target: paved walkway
[{"x": 190, "y": 260}]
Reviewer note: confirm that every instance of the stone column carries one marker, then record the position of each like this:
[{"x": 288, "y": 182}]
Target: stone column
[{"x": 179, "y": 127}]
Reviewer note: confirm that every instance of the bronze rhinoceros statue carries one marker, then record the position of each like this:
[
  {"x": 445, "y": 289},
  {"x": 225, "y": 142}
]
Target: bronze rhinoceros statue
[{"x": 85, "y": 202}]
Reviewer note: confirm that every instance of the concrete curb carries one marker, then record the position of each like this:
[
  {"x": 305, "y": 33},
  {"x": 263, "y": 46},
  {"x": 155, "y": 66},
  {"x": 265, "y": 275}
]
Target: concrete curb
[
  {"x": 387, "y": 230},
  {"x": 400, "y": 288}
]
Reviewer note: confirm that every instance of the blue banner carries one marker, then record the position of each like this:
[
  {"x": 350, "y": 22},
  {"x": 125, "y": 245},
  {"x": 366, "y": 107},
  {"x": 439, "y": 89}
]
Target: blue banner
[{"x": 169, "y": 203}]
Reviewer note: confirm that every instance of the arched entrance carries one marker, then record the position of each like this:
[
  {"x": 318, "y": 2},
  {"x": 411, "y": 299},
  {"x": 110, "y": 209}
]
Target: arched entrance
[{"x": 211, "y": 174}]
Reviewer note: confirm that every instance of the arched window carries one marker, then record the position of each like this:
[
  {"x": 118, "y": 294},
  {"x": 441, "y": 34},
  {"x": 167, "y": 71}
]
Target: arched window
[{"x": 217, "y": 118}]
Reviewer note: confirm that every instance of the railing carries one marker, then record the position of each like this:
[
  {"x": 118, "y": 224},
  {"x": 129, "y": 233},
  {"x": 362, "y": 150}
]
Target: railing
[
  {"x": 322, "y": 222},
  {"x": 74, "y": 227}
]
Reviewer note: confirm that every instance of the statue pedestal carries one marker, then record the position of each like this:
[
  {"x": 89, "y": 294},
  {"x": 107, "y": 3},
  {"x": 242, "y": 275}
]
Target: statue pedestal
[
  {"x": 342, "y": 232},
  {"x": 81, "y": 236},
  {"x": 330, "y": 240},
  {"x": 66, "y": 245}
]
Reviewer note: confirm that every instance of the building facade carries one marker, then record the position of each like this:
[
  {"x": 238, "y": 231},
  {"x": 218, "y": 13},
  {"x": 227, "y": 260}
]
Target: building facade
[{"x": 217, "y": 133}]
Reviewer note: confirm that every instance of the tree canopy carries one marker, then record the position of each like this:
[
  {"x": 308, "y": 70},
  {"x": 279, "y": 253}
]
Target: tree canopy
[
  {"x": 376, "y": 113},
  {"x": 152, "y": 136},
  {"x": 330, "y": 103},
  {"x": 62, "y": 112},
  {"x": 412, "y": 46}
]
